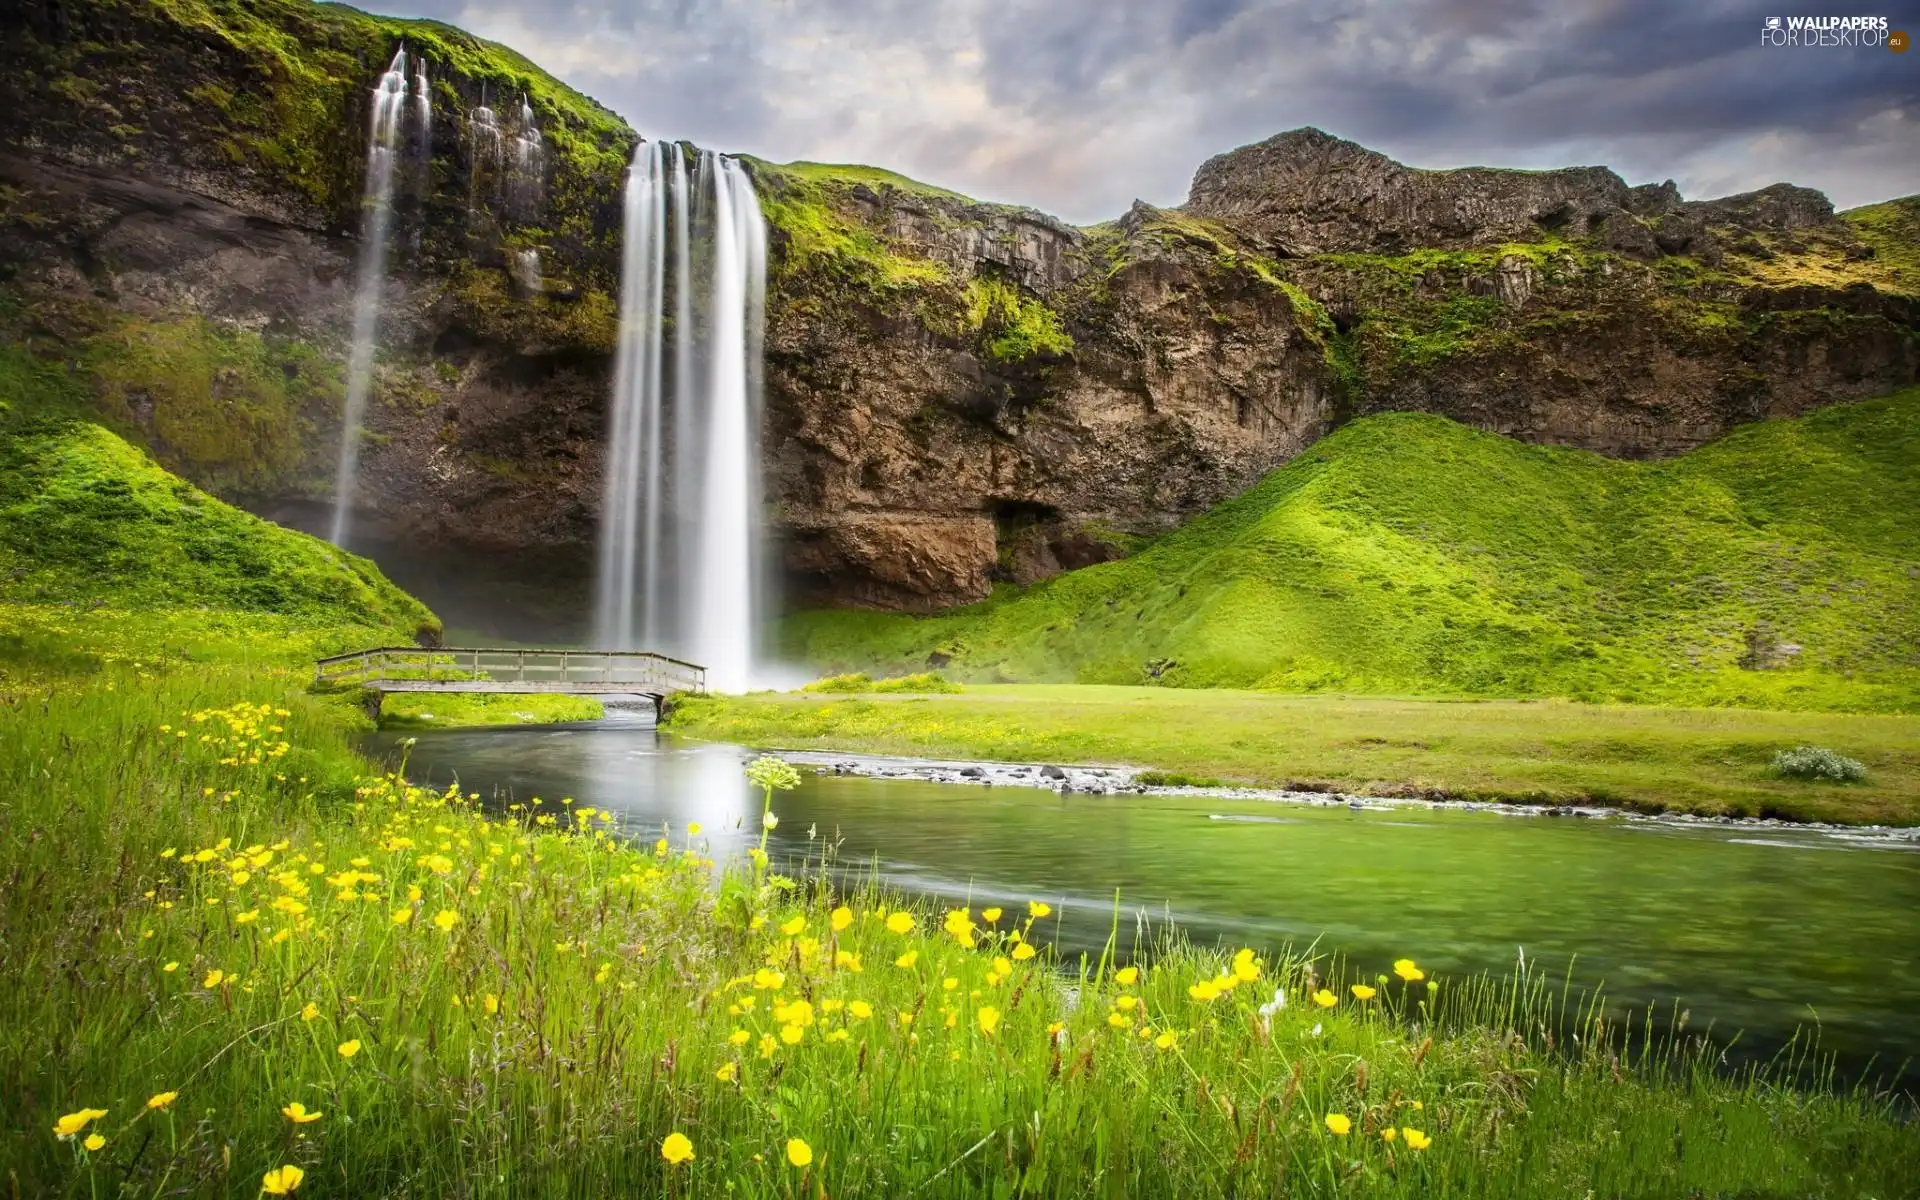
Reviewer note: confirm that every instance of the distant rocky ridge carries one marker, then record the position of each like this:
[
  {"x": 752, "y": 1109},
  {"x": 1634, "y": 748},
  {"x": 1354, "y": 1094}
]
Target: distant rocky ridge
[{"x": 958, "y": 393}]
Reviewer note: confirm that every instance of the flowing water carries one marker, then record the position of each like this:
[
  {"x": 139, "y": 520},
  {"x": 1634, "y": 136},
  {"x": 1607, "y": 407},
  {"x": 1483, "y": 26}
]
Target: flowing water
[
  {"x": 680, "y": 537},
  {"x": 1748, "y": 928},
  {"x": 386, "y": 112}
]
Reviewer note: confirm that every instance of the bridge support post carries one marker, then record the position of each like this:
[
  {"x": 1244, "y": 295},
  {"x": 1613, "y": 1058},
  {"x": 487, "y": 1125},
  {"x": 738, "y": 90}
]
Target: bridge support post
[{"x": 371, "y": 699}]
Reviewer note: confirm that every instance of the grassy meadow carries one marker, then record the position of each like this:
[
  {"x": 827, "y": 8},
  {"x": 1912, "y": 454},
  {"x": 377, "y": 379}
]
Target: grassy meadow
[
  {"x": 1712, "y": 761},
  {"x": 1404, "y": 554}
]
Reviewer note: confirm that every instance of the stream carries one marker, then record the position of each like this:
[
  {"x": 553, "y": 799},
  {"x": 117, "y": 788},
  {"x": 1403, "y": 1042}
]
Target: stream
[{"x": 1750, "y": 929}]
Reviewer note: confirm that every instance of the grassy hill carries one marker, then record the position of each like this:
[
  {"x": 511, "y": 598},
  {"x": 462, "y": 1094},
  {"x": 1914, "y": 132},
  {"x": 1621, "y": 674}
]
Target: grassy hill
[
  {"x": 1778, "y": 567},
  {"x": 89, "y": 525}
]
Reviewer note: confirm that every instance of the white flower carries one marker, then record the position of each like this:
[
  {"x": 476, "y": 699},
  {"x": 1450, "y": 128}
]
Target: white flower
[
  {"x": 1315, "y": 1031},
  {"x": 1271, "y": 1007},
  {"x": 770, "y": 821}
]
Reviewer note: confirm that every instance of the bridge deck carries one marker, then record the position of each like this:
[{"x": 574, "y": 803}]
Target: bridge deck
[{"x": 462, "y": 669}]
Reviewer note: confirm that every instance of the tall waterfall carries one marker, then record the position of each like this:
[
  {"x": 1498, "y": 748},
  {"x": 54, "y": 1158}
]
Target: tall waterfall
[
  {"x": 680, "y": 538},
  {"x": 386, "y": 111}
]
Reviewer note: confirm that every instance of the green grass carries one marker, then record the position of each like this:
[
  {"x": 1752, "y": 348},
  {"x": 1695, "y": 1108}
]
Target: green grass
[
  {"x": 1710, "y": 761},
  {"x": 404, "y": 710},
  {"x": 210, "y": 896},
  {"x": 1406, "y": 554}
]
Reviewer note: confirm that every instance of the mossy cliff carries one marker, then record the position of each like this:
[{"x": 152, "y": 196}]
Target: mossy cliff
[{"x": 959, "y": 393}]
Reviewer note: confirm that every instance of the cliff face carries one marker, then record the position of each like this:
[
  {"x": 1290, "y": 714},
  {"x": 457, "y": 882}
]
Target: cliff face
[{"x": 957, "y": 393}]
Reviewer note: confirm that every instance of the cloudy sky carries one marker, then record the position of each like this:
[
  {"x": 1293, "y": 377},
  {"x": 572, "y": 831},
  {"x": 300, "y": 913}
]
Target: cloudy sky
[{"x": 1079, "y": 106}]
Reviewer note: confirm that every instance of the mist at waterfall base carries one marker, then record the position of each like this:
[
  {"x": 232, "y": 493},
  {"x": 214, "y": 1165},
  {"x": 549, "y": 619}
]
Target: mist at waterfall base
[
  {"x": 385, "y": 115},
  {"x": 682, "y": 565}
]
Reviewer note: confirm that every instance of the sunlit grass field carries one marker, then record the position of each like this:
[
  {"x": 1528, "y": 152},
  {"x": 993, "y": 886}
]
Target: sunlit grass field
[
  {"x": 245, "y": 952},
  {"x": 1715, "y": 761}
]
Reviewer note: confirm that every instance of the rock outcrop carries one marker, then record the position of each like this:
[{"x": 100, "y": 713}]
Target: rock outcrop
[{"x": 957, "y": 393}]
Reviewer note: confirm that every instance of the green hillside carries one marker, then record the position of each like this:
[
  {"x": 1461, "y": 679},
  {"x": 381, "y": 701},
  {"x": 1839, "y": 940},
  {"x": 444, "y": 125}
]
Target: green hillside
[
  {"x": 88, "y": 523},
  {"x": 1778, "y": 567}
]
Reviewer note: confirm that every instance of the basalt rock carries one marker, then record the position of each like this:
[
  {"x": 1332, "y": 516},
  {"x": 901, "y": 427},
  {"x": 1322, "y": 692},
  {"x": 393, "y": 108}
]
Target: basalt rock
[{"x": 957, "y": 393}]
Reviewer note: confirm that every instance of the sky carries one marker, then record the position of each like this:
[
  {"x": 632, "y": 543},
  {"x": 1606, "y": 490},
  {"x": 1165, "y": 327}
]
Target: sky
[{"x": 1078, "y": 107}]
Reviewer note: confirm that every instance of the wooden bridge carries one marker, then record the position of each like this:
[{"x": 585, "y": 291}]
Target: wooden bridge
[{"x": 386, "y": 669}]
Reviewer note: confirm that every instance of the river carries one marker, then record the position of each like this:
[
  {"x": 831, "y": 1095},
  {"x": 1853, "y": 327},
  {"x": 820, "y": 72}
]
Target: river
[{"x": 1756, "y": 929}]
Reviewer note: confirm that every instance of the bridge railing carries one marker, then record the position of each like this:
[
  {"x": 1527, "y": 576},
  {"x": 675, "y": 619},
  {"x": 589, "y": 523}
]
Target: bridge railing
[{"x": 585, "y": 670}]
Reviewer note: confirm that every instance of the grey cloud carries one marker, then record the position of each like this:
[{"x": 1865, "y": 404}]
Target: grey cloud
[{"x": 1078, "y": 106}]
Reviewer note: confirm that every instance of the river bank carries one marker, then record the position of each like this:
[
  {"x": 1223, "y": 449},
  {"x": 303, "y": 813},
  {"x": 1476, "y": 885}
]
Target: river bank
[{"x": 1535, "y": 754}]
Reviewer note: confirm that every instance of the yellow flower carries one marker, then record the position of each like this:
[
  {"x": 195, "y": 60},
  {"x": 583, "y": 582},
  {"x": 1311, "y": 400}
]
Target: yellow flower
[
  {"x": 171, "y": 967},
  {"x": 859, "y": 1010},
  {"x": 990, "y": 915},
  {"x": 726, "y": 1072},
  {"x": 213, "y": 978},
  {"x": 94, "y": 1142},
  {"x": 1389, "y": 1133},
  {"x": 492, "y": 1004},
  {"x": 1246, "y": 968},
  {"x": 1118, "y": 1020},
  {"x": 1325, "y": 998},
  {"x": 1416, "y": 1140},
  {"x": 1127, "y": 976},
  {"x": 794, "y": 926},
  {"x": 74, "y": 1122},
  {"x": 1038, "y": 908},
  {"x": 161, "y": 1100},
  {"x": 1023, "y": 952},
  {"x": 1406, "y": 970},
  {"x": 693, "y": 830},
  {"x": 799, "y": 1153},
  {"x": 791, "y": 1034},
  {"x": 840, "y": 918},
  {"x": 298, "y": 1114},
  {"x": 310, "y": 1012},
  {"x": 446, "y": 919},
  {"x": 906, "y": 961},
  {"x": 900, "y": 923},
  {"x": 402, "y": 915},
  {"x": 350, "y": 1048},
  {"x": 989, "y": 1018},
  {"x": 677, "y": 1148},
  {"x": 1165, "y": 1040},
  {"x": 739, "y": 1037},
  {"x": 1204, "y": 991},
  {"x": 1362, "y": 992},
  {"x": 282, "y": 1181},
  {"x": 1339, "y": 1123},
  {"x": 949, "y": 983},
  {"x": 1125, "y": 1003},
  {"x": 246, "y": 918}
]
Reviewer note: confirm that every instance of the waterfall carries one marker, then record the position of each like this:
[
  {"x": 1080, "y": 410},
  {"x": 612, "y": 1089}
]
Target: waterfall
[
  {"x": 385, "y": 112},
  {"x": 680, "y": 539}
]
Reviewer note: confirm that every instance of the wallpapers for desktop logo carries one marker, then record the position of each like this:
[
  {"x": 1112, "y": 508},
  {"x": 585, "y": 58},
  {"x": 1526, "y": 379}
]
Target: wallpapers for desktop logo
[{"x": 1843, "y": 32}]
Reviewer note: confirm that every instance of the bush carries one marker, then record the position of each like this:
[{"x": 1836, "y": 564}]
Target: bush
[
  {"x": 1813, "y": 762},
  {"x": 860, "y": 681}
]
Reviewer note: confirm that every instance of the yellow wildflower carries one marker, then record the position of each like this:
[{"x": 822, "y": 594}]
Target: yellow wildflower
[
  {"x": 74, "y": 1122},
  {"x": 677, "y": 1148},
  {"x": 1038, "y": 908},
  {"x": 990, "y": 915},
  {"x": 1406, "y": 970},
  {"x": 349, "y": 1048},
  {"x": 1119, "y": 1020},
  {"x": 1204, "y": 991},
  {"x": 727, "y": 1072},
  {"x": 298, "y": 1114},
  {"x": 246, "y": 918},
  {"x": 1023, "y": 952},
  {"x": 1325, "y": 998},
  {"x": 799, "y": 1153},
  {"x": 160, "y": 1100},
  {"x": 213, "y": 978},
  {"x": 94, "y": 1142},
  {"x": 900, "y": 923},
  {"x": 859, "y": 1010},
  {"x": 1127, "y": 976},
  {"x": 1389, "y": 1133},
  {"x": 1165, "y": 1040},
  {"x": 739, "y": 1037},
  {"x": 402, "y": 915},
  {"x": 171, "y": 967},
  {"x": 794, "y": 926},
  {"x": 693, "y": 830},
  {"x": 1246, "y": 968},
  {"x": 1339, "y": 1123},
  {"x": 840, "y": 918},
  {"x": 492, "y": 1004},
  {"x": 309, "y": 1012},
  {"x": 446, "y": 919},
  {"x": 989, "y": 1019},
  {"x": 282, "y": 1181},
  {"x": 791, "y": 1034},
  {"x": 906, "y": 961},
  {"x": 1416, "y": 1140},
  {"x": 1362, "y": 992}
]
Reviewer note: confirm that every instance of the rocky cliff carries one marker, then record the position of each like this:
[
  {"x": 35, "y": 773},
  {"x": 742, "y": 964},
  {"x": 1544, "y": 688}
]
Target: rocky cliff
[{"x": 958, "y": 393}]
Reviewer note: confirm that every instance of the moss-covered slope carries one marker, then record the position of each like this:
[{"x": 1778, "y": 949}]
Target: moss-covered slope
[
  {"x": 1779, "y": 566},
  {"x": 86, "y": 519}
]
